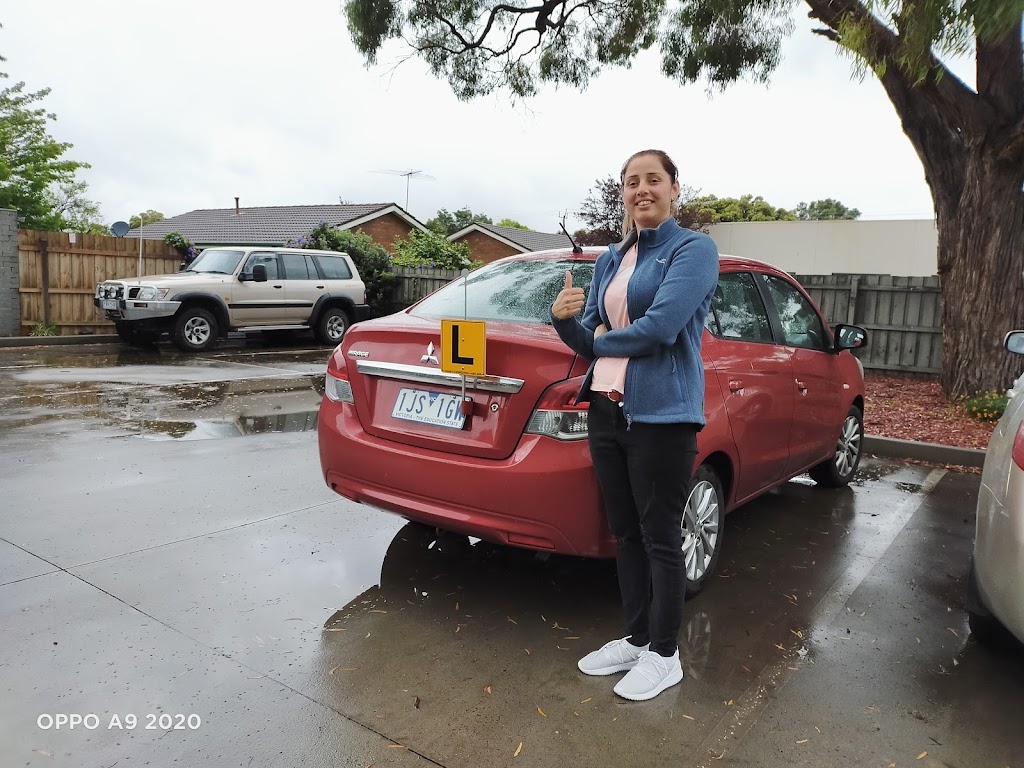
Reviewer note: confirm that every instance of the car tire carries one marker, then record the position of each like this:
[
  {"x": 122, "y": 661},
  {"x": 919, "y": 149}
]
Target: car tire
[
  {"x": 702, "y": 527},
  {"x": 195, "y": 330},
  {"x": 331, "y": 327},
  {"x": 839, "y": 469}
]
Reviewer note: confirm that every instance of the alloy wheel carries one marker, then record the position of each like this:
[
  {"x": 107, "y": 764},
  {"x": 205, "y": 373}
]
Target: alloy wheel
[
  {"x": 848, "y": 447},
  {"x": 701, "y": 519},
  {"x": 196, "y": 331}
]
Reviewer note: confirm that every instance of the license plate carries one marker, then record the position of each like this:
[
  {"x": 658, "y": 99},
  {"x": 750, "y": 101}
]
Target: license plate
[
  {"x": 108, "y": 303},
  {"x": 423, "y": 407}
]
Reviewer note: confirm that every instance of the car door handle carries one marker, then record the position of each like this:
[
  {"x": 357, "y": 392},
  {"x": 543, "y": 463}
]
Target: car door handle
[
  {"x": 319, "y": 287},
  {"x": 801, "y": 386},
  {"x": 735, "y": 385},
  {"x": 279, "y": 286}
]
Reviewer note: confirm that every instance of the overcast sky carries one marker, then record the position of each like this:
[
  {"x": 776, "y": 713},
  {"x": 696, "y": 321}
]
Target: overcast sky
[{"x": 188, "y": 104}]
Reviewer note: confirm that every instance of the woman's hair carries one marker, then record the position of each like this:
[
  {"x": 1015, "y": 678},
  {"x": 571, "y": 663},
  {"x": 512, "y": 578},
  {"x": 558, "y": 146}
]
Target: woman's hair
[{"x": 666, "y": 163}]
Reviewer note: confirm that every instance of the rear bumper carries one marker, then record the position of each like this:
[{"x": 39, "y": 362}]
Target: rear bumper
[
  {"x": 543, "y": 497},
  {"x": 362, "y": 312}
]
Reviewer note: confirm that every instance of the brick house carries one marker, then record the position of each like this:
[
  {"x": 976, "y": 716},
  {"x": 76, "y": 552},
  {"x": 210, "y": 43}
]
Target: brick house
[
  {"x": 279, "y": 224},
  {"x": 488, "y": 242}
]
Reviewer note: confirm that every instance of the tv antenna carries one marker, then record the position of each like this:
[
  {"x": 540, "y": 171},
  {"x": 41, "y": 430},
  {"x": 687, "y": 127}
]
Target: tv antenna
[{"x": 408, "y": 177}]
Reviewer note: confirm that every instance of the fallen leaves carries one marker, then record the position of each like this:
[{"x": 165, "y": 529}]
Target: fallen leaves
[
  {"x": 342, "y": 669},
  {"x": 518, "y": 749},
  {"x": 922, "y": 755},
  {"x": 416, "y": 703},
  {"x": 589, "y": 698},
  {"x": 488, "y": 689},
  {"x": 541, "y": 711}
]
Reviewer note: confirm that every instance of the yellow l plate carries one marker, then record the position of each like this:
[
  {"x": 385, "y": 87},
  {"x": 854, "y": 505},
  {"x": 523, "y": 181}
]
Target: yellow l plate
[{"x": 464, "y": 347}]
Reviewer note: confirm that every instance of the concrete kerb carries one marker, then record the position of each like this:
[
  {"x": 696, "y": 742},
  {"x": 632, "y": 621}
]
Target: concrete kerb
[{"x": 886, "y": 447}]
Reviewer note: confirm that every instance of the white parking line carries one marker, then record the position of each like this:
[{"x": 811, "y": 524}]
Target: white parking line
[{"x": 730, "y": 731}]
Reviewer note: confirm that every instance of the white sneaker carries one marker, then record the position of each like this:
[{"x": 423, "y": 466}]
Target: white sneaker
[
  {"x": 651, "y": 675},
  {"x": 616, "y": 656}
]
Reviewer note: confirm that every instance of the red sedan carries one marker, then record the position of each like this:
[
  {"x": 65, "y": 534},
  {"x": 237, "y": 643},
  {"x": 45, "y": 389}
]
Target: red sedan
[{"x": 504, "y": 456}]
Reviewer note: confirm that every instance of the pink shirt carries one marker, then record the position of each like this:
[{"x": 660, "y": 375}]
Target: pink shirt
[{"x": 610, "y": 372}]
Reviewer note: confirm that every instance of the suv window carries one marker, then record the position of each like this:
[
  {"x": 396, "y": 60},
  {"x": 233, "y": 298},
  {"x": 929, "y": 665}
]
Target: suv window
[
  {"x": 269, "y": 260},
  {"x": 298, "y": 267},
  {"x": 216, "y": 260},
  {"x": 334, "y": 267},
  {"x": 739, "y": 309},
  {"x": 801, "y": 325}
]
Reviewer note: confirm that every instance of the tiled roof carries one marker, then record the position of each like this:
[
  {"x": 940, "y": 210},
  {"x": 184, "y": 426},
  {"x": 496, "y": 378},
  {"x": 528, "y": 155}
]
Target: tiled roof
[
  {"x": 528, "y": 239},
  {"x": 270, "y": 225}
]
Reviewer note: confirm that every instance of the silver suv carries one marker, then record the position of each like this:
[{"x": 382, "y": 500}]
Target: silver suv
[{"x": 238, "y": 288}]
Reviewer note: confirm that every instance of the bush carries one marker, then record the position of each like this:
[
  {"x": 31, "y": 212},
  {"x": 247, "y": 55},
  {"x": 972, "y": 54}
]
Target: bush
[
  {"x": 45, "y": 329},
  {"x": 181, "y": 245},
  {"x": 987, "y": 406},
  {"x": 372, "y": 261},
  {"x": 429, "y": 249}
]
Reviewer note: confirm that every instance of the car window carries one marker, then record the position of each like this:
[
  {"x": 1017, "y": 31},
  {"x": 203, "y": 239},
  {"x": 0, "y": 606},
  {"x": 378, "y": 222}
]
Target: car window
[
  {"x": 517, "y": 291},
  {"x": 269, "y": 260},
  {"x": 334, "y": 267},
  {"x": 741, "y": 313},
  {"x": 295, "y": 267},
  {"x": 801, "y": 325},
  {"x": 216, "y": 260}
]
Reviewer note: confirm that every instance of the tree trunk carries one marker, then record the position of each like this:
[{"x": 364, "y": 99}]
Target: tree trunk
[{"x": 981, "y": 271}]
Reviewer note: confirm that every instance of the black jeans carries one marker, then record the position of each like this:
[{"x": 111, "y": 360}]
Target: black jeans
[{"x": 644, "y": 471}]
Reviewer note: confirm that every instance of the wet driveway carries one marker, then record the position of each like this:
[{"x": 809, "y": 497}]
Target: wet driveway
[{"x": 170, "y": 557}]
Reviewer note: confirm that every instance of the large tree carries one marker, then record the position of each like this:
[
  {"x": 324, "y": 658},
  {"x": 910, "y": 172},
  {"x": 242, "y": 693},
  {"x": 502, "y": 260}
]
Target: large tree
[
  {"x": 969, "y": 139},
  {"x": 824, "y": 210},
  {"x": 35, "y": 177}
]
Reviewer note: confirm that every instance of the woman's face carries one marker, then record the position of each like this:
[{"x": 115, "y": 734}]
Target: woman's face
[{"x": 648, "y": 191}]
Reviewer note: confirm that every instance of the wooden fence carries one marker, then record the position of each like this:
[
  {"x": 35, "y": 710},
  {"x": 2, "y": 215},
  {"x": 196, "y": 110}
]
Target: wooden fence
[
  {"x": 903, "y": 316},
  {"x": 57, "y": 278},
  {"x": 415, "y": 282}
]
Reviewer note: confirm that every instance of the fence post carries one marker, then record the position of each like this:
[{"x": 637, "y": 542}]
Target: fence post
[
  {"x": 44, "y": 265},
  {"x": 851, "y": 309}
]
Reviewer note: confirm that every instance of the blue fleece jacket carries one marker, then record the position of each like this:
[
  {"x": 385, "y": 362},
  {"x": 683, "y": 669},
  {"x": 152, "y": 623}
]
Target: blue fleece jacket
[{"x": 667, "y": 300}]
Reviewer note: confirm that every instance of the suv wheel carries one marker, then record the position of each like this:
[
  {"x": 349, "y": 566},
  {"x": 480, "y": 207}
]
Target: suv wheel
[
  {"x": 195, "y": 329},
  {"x": 702, "y": 527},
  {"x": 839, "y": 470},
  {"x": 332, "y": 326}
]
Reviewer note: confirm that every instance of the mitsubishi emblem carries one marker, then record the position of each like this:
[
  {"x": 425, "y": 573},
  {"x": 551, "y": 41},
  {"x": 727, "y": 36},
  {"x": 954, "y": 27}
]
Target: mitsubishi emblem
[{"x": 430, "y": 357}]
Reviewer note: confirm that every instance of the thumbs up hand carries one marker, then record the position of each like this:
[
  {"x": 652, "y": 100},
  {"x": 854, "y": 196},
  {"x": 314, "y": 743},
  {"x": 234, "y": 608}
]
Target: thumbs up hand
[{"x": 569, "y": 301}]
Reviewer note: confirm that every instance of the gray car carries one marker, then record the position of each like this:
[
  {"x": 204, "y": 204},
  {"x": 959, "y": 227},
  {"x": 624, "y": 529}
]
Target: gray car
[{"x": 996, "y": 587}]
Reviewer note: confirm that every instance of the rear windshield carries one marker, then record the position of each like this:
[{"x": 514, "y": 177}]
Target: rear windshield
[
  {"x": 515, "y": 291},
  {"x": 217, "y": 260}
]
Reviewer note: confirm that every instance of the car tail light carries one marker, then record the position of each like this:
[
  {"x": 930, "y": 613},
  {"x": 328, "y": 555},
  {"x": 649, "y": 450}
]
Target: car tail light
[
  {"x": 556, "y": 416},
  {"x": 337, "y": 386},
  {"x": 1018, "y": 447}
]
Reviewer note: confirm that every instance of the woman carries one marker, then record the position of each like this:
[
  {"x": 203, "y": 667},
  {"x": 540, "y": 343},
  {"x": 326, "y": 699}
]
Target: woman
[{"x": 642, "y": 327}]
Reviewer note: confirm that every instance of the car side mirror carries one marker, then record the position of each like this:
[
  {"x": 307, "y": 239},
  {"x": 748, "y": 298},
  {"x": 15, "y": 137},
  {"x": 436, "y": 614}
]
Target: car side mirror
[
  {"x": 1014, "y": 342},
  {"x": 259, "y": 273},
  {"x": 850, "y": 337}
]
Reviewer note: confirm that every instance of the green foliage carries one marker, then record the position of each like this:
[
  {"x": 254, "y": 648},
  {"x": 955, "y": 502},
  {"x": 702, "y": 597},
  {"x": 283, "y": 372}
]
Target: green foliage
[
  {"x": 372, "y": 261},
  {"x": 986, "y": 406},
  {"x": 144, "y": 218},
  {"x": 181, "y": 244},
  {"x": 511, "y": 223},
  {"x": 445, "y": 223},
  {"x": 45, "y": 329},
  {"x": 431, "y": 249},
  {"x": 822, "y": 210},
  {"x": 35, "y": 178},
  {"x": 746, "y": 208}
]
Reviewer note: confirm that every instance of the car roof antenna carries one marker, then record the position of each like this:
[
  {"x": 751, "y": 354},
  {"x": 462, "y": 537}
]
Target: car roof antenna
[{"x": 575, "y": 248}]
